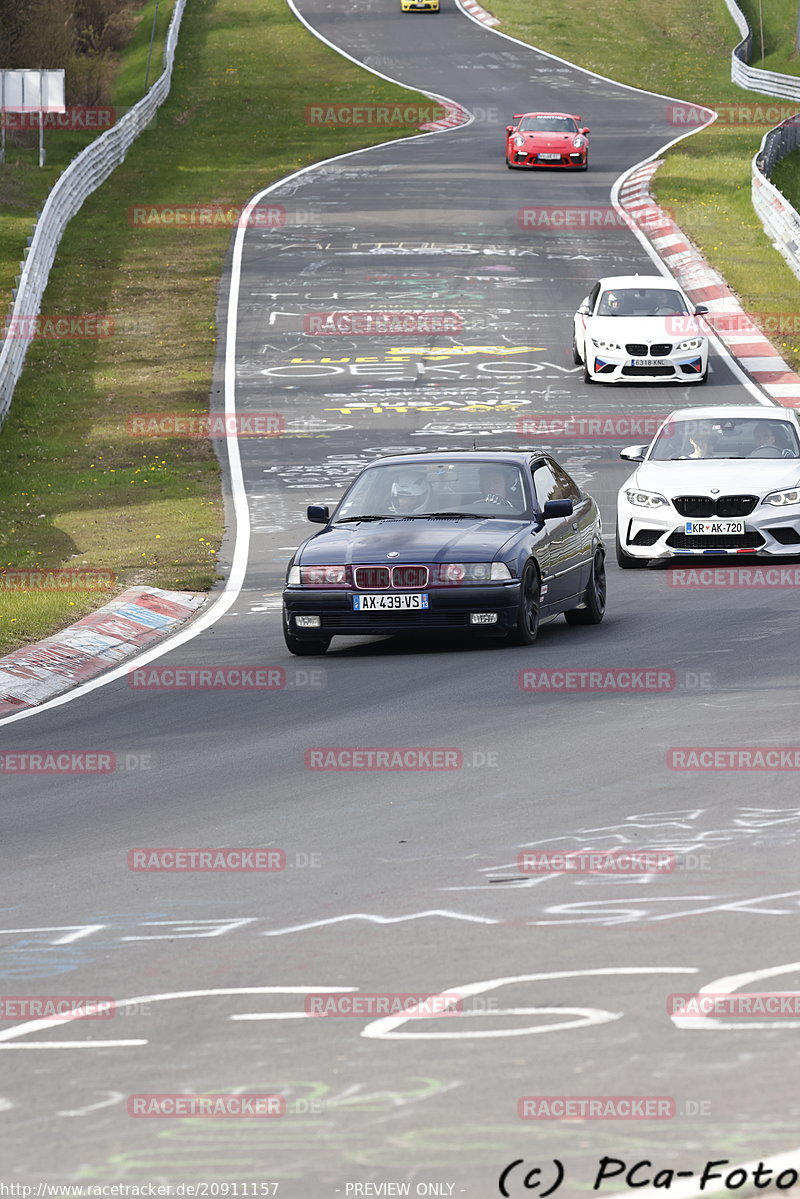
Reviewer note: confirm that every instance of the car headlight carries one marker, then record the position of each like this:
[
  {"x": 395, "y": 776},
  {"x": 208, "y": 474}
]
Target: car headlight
[
  {"x": 780, "y": 499},
  {"x": 578, "y": 142},
  {"x": 602, "y": 344},
  {"x": 694, "y": 343},
  {"x": 646, "y": 499},
  {"x": 519, "y": 141},
  {"x": 474, "y": 572},
  {"x": 321, "y": 576}
]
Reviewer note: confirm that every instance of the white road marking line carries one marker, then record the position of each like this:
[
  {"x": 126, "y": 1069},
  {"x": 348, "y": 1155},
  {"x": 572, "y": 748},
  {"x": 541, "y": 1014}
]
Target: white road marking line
[
  {"x": 21, "y": 1030},
  {"x": 371, "y": 919},
  {"x": 113, "y": 1098}
]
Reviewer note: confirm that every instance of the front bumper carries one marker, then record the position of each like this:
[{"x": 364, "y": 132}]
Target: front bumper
[
  {"x": 522, "y": 160},
  {"x": 649, "y": 537},
  {"x": 612, "y": 367},
  {"x": 450, "y": 610},
  {"x": 423, "y": 6}
]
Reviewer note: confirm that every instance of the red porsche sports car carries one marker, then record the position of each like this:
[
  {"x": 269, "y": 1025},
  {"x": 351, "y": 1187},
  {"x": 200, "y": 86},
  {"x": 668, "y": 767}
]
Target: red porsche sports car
[{"x": 546, "y": 139}]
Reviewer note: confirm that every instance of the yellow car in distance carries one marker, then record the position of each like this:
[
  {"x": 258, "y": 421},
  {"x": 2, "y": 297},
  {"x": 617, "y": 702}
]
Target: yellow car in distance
[{"x": 419, "y": 5}]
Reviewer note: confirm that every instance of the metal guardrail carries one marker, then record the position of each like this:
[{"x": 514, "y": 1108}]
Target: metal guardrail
[
  {"x": 755, "y": 79},
  {"x": 780, "y": 220},
  {"x": 83, "y": 175}
]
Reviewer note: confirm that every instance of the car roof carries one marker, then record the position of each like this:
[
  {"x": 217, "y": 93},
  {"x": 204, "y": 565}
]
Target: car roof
[
  {"x": 484, "y": 457},
  {"x": 537, "y": 113},
  {"x": 722, "y": 411},
  {"x": 613, "y": 281}
]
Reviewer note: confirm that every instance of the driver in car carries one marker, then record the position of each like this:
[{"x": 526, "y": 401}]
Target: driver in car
[
  {"x": 410, "y": 494},
  {"x": 495, "y": 487},
  {"x": 700, "y": 444},
  {"x": 769, "y": 442}
]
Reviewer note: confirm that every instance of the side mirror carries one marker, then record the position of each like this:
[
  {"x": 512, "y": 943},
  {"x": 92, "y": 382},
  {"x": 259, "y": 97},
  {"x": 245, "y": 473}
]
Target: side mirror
[
  {"x": 509, "y": 128},
  {"x": 700, "y": 310},
  {"x": 557, "y": 508},
  {"x": 586, "y": 131},
  {"x": 584, "y": 309},
  {"x": 318, "y": 514},
  {"x": 633, "y": 453}
]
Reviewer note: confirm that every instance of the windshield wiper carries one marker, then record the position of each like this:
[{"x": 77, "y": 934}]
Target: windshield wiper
[
  {"x": 463, "y": 515},
  {"x": 351, "y": 519}
]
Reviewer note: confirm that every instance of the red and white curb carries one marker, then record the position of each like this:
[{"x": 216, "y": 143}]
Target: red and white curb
[
  {"x": 454, "y": 116},
  {"x": 730, "y": 322},
  {"x": 136, "y": 618},
  {"x": 480, "y": 14}
]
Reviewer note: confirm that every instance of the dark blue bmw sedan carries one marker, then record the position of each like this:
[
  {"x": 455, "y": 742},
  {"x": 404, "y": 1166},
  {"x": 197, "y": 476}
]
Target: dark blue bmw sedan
[{"x": 483, "y": 541}]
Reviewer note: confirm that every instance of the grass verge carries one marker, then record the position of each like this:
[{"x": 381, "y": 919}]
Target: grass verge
[
  {"x": 75, "y": 488},
  {"x": 683, "y": 49},
  {"x": 24, "y": 185}
]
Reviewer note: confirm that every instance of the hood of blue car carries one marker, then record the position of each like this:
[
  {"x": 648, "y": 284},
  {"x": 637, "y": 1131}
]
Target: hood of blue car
[{"x": 435, "y": 540}]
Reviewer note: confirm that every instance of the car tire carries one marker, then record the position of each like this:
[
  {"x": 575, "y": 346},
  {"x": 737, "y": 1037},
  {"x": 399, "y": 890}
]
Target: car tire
[
  {"x": 587, "y": 378},
  {"x": 576, "y": 358},
  {"x": 508, "y": 164},
  {"x": 594, "y": 597},
  {"x": 303, "y": 647},
  {"x": 530, "y": 594},
  {"x": 627, "y": 561}
]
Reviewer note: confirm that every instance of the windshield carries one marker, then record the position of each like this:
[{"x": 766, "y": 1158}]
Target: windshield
[
  {"x": 545, "y": 124},
  {"x": 414, "y": 489},
  {"x": 746, "y": 437},
  {"x": 642, "y": 301}
]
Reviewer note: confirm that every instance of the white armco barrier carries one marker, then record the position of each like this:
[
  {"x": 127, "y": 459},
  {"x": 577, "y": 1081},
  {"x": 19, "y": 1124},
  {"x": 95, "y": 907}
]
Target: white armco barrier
[{"x": 83, "y": 175}]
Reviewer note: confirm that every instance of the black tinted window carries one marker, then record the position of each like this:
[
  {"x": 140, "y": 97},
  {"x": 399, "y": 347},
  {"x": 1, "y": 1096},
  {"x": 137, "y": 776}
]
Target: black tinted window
[{"x": 569, "y": 489}]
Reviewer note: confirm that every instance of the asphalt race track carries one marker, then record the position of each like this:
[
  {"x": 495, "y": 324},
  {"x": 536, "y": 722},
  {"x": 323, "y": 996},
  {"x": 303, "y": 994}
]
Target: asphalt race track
[{"x": 408, "y": 882}]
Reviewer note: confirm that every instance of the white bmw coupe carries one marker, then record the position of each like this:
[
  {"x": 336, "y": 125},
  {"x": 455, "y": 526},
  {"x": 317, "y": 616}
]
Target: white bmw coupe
[
  {"x": 640, "y": 328},
  {"x": 722, "y": 480}
]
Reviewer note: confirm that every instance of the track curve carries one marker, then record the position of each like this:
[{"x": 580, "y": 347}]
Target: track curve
[{"x": 417, "y": 888}]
